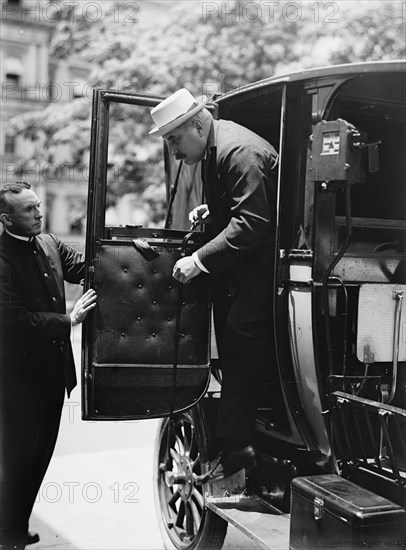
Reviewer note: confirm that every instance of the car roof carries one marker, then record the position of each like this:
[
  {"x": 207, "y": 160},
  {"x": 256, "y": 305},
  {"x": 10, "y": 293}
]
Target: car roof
[{"x": 350, "y": 69}]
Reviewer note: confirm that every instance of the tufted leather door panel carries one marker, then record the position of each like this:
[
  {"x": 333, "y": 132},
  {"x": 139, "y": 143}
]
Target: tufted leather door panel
[{"x": 133, "y": 330}]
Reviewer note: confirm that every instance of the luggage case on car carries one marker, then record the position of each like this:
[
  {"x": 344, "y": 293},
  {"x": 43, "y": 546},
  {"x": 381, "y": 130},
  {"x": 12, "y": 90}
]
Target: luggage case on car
[{"x": 330, "y": 512}]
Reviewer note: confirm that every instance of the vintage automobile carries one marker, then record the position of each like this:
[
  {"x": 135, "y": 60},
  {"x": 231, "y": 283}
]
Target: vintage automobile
[{"x": 331, "y": 434}]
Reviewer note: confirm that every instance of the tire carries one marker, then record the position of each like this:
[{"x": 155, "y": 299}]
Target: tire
[{"x": 184, "y": 520}]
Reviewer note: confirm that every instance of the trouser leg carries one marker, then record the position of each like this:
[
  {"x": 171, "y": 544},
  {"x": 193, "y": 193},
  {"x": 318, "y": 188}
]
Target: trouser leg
[
  {"x": 248, "y": 363},
  {"x": 28, "y": 437},
  {"x": 18, "y": 439},
  {"x": 47, "y": 436}
]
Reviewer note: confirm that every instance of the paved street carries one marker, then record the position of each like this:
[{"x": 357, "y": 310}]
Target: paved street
[{"x": 98, "y": 492}]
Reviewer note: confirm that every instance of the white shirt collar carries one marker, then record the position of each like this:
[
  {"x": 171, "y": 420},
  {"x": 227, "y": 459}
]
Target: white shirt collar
[{"x": 19, "y": 237}]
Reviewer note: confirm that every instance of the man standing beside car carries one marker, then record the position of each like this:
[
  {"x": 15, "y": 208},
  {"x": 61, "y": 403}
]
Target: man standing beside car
[
  {"x": 239, "y": 179},
  {"x": 36, "y": 360}
]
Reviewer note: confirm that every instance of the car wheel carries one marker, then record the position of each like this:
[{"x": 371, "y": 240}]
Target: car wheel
[{"x": 184, "y": 520}]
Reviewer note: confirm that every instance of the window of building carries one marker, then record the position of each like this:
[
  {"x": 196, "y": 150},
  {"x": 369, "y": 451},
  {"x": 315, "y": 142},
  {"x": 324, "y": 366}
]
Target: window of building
[
  {"x": 9, "y": 145},
  {"x": 80, "y": 82},
  {"x": 13, "y": 79}
]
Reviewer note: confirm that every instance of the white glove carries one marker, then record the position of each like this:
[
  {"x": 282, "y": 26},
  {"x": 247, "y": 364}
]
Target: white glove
[
  {"x": 200, "y": 214},
  {"x": 83, "y": 306}
]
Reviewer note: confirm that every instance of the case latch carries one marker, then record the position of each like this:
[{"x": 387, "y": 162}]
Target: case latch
[{"x": 318, "y": 508}]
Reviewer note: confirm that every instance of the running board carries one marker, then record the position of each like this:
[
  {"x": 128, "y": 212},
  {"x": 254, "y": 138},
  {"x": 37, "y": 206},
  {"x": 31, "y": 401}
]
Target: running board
[{"x": 248, "y": 515}]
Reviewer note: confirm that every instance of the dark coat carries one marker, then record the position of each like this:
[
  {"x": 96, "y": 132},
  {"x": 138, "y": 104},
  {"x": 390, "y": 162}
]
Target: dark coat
[
  {"x": 240, "y": 187},
  {"x": 35, "y": 329},
  {"x": 36, "y": 366}
]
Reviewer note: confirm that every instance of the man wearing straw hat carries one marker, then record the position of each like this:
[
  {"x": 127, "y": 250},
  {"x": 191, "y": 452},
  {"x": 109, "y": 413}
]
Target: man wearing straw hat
[{"x": 239, "y": 178}]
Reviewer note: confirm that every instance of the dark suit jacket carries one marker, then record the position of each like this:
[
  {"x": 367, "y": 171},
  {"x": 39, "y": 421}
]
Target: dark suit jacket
[
  {"x": 240, "y": 187},
  {"x": 36, "y": 357}
]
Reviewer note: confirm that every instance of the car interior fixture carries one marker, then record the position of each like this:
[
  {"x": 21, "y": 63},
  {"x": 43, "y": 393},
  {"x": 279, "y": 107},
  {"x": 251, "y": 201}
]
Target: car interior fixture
[{"x": 331, "y": 434}]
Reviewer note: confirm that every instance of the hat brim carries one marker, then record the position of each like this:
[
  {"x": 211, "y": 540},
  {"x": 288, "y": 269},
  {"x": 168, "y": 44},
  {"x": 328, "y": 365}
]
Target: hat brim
[{"x": 161, "y": 131}]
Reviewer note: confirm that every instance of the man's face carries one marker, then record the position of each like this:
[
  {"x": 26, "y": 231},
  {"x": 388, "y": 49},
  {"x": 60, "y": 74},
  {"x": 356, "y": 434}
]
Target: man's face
[
  {"x": 186, "y": 143},
  {"x": 25, "y": 215}
]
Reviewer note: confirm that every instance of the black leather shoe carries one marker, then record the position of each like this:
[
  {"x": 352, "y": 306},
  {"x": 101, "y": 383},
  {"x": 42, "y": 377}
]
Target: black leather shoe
[
  {"x": 32, "y": 538},
  {"x": 231, "y": 462}
]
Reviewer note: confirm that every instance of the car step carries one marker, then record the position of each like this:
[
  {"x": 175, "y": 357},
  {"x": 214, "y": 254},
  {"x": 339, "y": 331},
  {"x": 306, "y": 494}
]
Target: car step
[{"x": 261, "y": 522}]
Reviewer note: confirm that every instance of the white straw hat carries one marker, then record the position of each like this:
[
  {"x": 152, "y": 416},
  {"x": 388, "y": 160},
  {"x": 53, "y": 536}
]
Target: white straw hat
[{"x": 175, "y": 110}]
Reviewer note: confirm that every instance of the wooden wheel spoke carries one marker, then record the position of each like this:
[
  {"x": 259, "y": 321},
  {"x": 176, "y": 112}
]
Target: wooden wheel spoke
[
  {"x": 197, "y": 518},
  {"x": 181, "y": 515},
  {"x": 173, "y": 500},
  {"x": 180, "y": 445},
  {"x": 198, "y": 497},
  {"x": 192, "y": 441},
  {"x": 193, "y": 444},
  {"x": 186, "y": 439},
  {"x": 190, "y": 531},
  {"x": 175, "y": 455}
]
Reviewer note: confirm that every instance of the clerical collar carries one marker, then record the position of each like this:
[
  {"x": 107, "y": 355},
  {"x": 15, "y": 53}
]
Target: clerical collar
[{"x": 19, "y": 237}]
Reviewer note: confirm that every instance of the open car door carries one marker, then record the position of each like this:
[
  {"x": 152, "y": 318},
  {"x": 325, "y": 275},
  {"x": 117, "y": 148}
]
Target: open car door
[{"x": 145, "y": 347}]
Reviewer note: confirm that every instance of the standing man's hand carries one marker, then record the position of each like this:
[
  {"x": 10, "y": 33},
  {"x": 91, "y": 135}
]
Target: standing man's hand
[
  {"x": 82, "y": 307},
  {"x": 185, "y": 269},
  {"x": 200, "y": 214}
]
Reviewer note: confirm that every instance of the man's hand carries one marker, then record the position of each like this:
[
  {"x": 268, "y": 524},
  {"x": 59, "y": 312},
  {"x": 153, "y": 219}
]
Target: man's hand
[
  {"x": 200, "y": 214},
  {"x": 185, "y": 269},
  {"x": 83, "y": 306}
]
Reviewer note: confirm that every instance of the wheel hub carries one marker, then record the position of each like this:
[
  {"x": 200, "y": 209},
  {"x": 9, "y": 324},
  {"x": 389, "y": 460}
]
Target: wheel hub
[{"x": 183, "y": 477}]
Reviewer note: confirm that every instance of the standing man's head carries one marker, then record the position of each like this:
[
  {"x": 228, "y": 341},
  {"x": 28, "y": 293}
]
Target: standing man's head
[
  {"x": 184, "y": 124},
  {"x": 20, "y": 209}
]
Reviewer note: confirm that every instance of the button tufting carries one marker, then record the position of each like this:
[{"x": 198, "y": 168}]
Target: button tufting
[{"x": 46, "y": 275}]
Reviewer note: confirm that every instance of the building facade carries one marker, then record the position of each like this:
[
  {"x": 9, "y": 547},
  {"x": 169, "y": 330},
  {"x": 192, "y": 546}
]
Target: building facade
[{"x": 30, "y": 81}]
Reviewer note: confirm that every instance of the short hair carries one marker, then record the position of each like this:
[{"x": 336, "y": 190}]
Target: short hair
[
  {"x": 204, "y": 116},
  {"x": 6, "y": 189}
]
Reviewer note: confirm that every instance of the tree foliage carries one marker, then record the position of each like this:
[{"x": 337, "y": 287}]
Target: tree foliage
[{"x": 206, "y": 47}]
